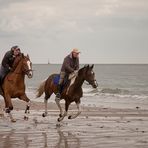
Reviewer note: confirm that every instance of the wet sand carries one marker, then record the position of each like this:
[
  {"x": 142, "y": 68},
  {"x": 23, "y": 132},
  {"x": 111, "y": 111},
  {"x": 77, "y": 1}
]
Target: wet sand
[{"x": 96, "y": 128}]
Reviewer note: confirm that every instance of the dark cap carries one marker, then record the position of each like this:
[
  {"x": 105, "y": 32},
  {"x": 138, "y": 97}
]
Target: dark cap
[{"x": 15, "y": 47}]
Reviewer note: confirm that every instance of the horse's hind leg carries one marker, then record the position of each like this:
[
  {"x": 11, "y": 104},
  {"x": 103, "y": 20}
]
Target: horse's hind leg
[
  {"x": 45, "y": 103},
  {"x": 47, "y": 96},
  {"x": 1, "y": 112},
  {"x": 27, "y": 111},
  {"x": 66, "y": 110},
  {"x": 9, "y": 107},
  {"x": 26, "y": 99}
]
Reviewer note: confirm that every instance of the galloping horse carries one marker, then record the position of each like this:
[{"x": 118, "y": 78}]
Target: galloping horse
[
  {"x": 72, "y": 92},
  {"x": 14, "y": 86}
]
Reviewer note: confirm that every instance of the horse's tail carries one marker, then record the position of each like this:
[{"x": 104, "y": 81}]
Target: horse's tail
[{"x": 41, "y": 89}]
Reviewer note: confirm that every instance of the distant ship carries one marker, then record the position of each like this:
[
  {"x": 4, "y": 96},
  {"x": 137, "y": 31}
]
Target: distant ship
[{"x": 48, "y": 61}]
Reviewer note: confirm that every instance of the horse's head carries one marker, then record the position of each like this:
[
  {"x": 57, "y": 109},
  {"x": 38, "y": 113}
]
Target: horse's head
[
  {"x": 89, "y": 76},
  {"x": 25, "y": 64}
]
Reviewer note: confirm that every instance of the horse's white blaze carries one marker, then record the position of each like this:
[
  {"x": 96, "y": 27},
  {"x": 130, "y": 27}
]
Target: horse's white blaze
[
  {"x": 92, "y": 72},
  {"x": 29, "y": 67}
]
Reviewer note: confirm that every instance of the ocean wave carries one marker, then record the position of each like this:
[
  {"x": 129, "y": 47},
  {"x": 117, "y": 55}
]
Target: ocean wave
[
  {"x": 122, "y": 93},
  {"x": 118, "y": 92},
  {"x": 115, "y": 91},
  {"x": 106, "y": 90}
]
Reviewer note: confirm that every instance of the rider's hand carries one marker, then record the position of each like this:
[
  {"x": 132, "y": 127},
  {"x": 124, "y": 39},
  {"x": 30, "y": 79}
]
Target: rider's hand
[
  {"x": 10, "y": 69},
  {"x": 75, "y": 72}
]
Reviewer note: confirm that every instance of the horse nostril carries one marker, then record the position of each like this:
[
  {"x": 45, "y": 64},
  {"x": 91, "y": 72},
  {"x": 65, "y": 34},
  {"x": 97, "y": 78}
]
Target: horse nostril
[
  {"x": 95, "y": 86},
  {"x": 30, "y": 75}
]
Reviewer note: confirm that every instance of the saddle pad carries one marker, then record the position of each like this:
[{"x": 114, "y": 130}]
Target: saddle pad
[{"x": 56, "y": 79}]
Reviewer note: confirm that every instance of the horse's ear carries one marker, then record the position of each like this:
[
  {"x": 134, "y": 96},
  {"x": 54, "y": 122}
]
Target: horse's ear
[
  {"x": 27, "y": 56},
  {"x": 92, "y": 66},
  {"x": 87, "y": 66},
  {"x": 22, "y": 55}
]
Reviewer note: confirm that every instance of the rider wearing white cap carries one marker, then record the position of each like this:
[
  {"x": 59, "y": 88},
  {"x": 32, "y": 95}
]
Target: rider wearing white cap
[{"x": 70, "y": 64}]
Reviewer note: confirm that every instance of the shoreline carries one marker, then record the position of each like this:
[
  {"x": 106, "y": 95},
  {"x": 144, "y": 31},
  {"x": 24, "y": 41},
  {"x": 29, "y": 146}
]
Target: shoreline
[{"x": 99, "y": 111}]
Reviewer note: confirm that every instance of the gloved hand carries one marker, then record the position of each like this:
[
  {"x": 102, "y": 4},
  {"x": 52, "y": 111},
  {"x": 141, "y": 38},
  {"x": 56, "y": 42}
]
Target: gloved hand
[
  {"x": 10, "y": 69},
  {"x": 75, "y": 72}
]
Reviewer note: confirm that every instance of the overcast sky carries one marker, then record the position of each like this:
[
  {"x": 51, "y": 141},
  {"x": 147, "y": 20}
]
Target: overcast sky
[{"x": 105, "y": 31}]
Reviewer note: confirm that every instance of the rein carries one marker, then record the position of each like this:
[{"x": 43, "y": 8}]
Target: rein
[
  {"x": 23, "y": 71},
  {"x": 89, "y": 83}
]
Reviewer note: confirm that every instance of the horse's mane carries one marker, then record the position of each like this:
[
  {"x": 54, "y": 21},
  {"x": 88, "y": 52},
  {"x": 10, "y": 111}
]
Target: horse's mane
[{"x": 82, "y": 69}]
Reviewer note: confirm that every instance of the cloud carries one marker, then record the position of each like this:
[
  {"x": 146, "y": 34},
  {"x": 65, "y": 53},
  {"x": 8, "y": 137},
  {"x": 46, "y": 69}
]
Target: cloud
[
  {"x": 36, "y": 16},
  {"x": 62, "y": 24},
  {"x": 20, "y": 17}
]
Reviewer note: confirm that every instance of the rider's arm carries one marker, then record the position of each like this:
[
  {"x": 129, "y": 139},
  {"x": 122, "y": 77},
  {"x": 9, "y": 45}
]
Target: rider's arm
[
  {"x": 5, "y": 61},
  {"x": 67, "y": 66},
  {"x": 77, "y": 64}
]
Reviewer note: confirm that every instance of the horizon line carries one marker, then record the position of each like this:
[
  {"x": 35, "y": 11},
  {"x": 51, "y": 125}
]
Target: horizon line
[{"x": 97, "y": 63}]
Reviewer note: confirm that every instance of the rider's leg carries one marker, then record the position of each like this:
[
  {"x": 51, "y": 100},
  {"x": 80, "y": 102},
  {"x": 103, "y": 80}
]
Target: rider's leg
[
  {"x": 3, "y": 72},
  {"x": 59, "y": 87}
]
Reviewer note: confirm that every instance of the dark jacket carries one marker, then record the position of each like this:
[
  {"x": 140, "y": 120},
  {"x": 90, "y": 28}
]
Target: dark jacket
[
  {"x": 8, "y": 60},
  {"x": 6, "y": 65},
  {"x": 70, "y": 64}
]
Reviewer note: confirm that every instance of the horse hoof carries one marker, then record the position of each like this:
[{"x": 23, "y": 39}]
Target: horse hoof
[
  {"x": 26, "y": 118},
  {"x": 60, "y": 115},
  {"x": 69, "y": 117},
  {"x": 58, "y": 125},
  {"x": 58, "y": 120},
  {"x": 13, "y": 120},
  {"x": 44, "y": 115}
]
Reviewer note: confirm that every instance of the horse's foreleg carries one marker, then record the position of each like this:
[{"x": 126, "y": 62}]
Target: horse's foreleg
[
  {"x": 78, "y": 113},
  {"x": 9, "y": 107},
  {"x": 26, "y": 99},
  {"x": 65, "y": 113}
]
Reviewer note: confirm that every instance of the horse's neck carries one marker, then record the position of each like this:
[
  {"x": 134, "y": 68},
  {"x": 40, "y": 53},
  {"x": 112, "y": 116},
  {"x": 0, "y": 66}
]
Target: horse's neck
[
  {"x": 18, "y": 71},
  {"x": 79, "y": 80}
]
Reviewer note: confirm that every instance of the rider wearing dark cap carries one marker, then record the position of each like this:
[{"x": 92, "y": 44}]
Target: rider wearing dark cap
[{"x": 7, "y": 62}]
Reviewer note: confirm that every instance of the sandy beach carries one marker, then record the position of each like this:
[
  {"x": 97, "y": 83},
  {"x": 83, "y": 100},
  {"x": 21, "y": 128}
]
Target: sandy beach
[{"x": 95, "y": 127}]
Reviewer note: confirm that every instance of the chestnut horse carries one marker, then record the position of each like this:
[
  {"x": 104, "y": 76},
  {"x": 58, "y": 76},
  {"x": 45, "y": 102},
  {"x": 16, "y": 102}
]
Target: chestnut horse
[
  {"x": 72, "y": 92},
  {"x": 13, "y": 85}
]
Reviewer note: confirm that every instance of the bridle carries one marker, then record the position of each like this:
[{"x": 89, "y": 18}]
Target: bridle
[
  {"x": 91, "y": 82},
  {"x": 26, "y": 71}
]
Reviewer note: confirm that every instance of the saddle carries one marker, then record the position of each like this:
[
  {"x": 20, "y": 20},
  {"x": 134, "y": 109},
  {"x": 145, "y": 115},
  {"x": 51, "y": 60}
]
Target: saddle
[
  {"x": 68, "y": 80},
  {"x": 57, "y": 78}
]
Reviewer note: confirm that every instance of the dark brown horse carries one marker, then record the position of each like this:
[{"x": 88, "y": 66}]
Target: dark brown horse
[
  {"x": 72, "y": 92},
  {"x": 14, "y": 86}
]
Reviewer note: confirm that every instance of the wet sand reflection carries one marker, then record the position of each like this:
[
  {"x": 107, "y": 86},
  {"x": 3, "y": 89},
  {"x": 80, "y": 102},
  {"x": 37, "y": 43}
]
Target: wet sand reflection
[
  {"x": 59, "y": 139},
  {"x": 87, "y": 131},
  {"x": 67, "y": 140}
]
